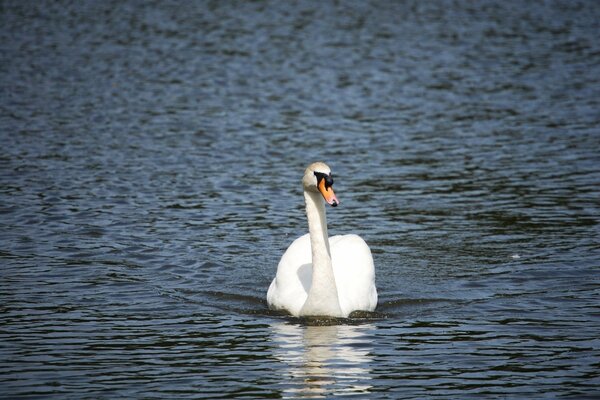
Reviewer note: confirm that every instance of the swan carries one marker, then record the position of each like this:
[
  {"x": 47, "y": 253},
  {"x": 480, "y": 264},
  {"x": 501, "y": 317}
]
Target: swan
[{"x": 318, "y": 275}]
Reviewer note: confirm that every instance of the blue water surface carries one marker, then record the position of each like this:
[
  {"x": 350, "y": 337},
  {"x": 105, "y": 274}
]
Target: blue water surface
[{"x": 150, "y": 180}]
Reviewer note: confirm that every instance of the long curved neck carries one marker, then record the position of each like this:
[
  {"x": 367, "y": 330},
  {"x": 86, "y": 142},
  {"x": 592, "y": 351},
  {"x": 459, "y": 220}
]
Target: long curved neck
[{"x": 322, "y": 296}]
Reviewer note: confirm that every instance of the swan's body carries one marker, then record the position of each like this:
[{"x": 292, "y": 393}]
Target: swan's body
[{"x": 318, "y": 275}]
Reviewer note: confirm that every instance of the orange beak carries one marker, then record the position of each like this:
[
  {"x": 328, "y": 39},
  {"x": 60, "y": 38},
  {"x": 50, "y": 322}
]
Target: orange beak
[{"x": 328, "y": 194}]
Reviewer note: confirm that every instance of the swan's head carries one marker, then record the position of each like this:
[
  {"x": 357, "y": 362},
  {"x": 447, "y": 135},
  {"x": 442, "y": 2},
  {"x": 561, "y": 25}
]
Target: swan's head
[{"x": 317, "y": 178}]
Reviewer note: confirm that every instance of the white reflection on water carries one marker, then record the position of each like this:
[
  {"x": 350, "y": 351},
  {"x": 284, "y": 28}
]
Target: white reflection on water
[{"x": 323, "y": 360}]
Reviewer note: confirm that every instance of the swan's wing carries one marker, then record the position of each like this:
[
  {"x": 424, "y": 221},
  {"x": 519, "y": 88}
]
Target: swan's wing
[
  {"x": 290, "y": 286},
  {"x": 354, "y": 273}
]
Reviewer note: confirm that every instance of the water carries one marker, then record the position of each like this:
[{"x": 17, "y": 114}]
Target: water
[{"x": 150, "y": 181}]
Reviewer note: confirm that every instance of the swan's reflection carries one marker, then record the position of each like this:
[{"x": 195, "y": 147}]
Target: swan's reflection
[{"x": 323, "y": 360}]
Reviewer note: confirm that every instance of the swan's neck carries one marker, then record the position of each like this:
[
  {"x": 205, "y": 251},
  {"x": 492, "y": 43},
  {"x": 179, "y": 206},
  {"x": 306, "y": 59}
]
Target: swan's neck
[{"x": 322, "y": 296}]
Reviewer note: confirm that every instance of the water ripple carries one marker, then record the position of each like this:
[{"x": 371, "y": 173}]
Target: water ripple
[{"x": 150, "y": 182}]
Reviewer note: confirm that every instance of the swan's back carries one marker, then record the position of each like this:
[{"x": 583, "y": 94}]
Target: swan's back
[
  {"x": 289, "y": 289},
  {"x": 354, "y": 273},
  {"x": 352, "y": 267}
]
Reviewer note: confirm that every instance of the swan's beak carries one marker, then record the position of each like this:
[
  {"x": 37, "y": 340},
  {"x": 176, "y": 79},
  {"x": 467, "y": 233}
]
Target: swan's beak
[{"x": 328, "y": 194}]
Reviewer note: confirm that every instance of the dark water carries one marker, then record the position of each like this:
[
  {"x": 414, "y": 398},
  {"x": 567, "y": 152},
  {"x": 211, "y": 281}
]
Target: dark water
[{"x": 150, "y": 181}]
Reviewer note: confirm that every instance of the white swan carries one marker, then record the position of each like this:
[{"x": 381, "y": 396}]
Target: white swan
[{"x": 318, "y": 275}]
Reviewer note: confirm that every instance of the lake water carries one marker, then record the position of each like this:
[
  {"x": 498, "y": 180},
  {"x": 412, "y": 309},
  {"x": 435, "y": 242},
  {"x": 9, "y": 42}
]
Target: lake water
[{"x": 150, "y": 180}]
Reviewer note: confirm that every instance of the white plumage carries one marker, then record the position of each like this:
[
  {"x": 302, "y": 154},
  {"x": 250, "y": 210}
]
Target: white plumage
[{"x": 323, "y": 276}]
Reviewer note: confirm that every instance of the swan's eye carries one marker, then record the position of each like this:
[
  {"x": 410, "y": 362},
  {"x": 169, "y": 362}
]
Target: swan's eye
[{"x": 328, "y": 179}]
